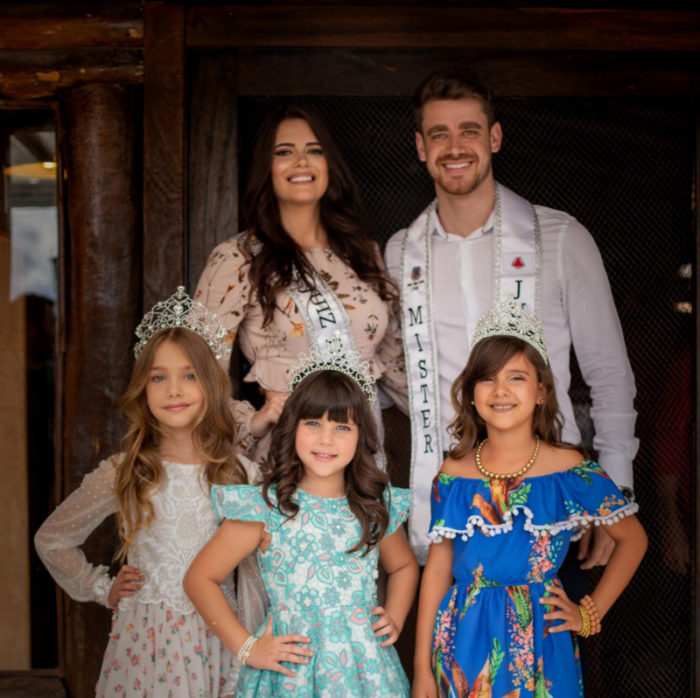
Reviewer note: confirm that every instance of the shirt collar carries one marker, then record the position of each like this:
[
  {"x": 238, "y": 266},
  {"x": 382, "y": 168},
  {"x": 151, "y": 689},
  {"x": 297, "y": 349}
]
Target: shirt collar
[{"x": 479, "y": 232}]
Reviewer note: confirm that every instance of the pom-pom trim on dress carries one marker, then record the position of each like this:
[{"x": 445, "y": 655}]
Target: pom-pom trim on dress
[{"x": 438, "y": 533}]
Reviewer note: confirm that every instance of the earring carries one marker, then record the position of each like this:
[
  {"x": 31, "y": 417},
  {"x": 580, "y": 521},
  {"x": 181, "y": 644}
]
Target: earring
[{"x": 473, "y": 403}]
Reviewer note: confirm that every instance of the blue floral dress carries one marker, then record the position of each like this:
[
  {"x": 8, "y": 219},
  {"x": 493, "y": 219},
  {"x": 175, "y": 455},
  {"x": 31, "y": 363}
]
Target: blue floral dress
[
  {"x": 509, "y": 539},
  {"x": 317, "y": 589}
]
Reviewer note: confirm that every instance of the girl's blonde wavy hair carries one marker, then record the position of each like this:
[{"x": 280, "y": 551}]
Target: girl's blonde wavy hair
[{"x": 139, "y": 469}]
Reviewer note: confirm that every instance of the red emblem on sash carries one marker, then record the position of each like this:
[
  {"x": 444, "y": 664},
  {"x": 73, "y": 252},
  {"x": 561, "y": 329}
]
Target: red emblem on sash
[{"x": 518, "y": 263}]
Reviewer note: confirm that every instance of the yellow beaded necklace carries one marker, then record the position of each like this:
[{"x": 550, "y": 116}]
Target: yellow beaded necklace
[{"x": 505, "y": 476}]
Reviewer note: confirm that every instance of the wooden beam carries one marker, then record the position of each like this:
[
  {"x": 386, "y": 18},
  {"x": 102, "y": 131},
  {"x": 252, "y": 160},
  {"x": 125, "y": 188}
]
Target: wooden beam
[
  {"x": 506, "y": 29},
  {"x": 40, "y": 74},
  {"x": 163, "y": 152},
  {"x": 349, "y": 72},
  {"x": 57, "y": 32},
  {"x": 101, "y": 288}
]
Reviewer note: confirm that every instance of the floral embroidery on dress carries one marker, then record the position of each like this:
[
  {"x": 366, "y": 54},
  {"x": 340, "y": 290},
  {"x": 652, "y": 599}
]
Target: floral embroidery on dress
[
  {"x": 273, "y": 349},
  {"x": 490, "y": 638},
  {"x": 317, "y": 589}
]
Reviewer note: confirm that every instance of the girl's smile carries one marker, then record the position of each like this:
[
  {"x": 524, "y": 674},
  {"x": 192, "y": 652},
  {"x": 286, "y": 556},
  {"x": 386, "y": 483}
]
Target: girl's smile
[
  {"x": 509, "y": 397},
  {"x": 325, "y": 448},
  {"x": 174, "y": 395}
]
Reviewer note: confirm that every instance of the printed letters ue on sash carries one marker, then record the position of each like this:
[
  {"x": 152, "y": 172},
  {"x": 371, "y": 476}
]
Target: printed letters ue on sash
[{"x": 516, "y": 272}]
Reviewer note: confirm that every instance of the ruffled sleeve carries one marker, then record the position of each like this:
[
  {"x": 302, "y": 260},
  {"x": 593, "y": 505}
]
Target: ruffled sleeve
[
  {"x": 251, "y": 597},
  {"x": 224, "y": 286},
  {"x": 58, "y": 539},
  {"x": 570, "y": 500},
  {"x": 448, "y": 503},
  {"x": 252, "y": 469},
  {"x": 589, "y": 496},
  {"x": 240, "y": 502},
  {"x": 398, "y": 500}
]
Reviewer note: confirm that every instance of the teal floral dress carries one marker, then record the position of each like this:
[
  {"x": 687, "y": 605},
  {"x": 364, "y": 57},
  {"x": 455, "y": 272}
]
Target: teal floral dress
[
  {"x": 317, "y": 589},
  {"x": 509, "y": 539}
]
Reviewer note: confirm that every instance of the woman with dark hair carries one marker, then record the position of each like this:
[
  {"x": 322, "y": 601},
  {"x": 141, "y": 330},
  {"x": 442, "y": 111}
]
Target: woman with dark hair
[{"x": 303, "y": 271}]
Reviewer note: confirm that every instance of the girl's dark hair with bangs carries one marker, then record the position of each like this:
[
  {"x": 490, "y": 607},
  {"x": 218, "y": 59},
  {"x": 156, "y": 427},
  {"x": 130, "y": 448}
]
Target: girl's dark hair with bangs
[
  {"x": 486, "y": 359},
  {"x": 340, "y": 396}
]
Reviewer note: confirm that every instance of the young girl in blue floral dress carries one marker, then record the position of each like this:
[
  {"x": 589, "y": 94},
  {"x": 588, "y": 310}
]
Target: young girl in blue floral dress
[
  {"x": 320, "y": 522},
  {"x": 180, "y": 440},
  {"x": 493, "y": 620}
]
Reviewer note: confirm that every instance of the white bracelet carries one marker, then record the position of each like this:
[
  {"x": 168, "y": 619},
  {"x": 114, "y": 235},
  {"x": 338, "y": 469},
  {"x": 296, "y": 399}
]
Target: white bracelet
[{"x": 246, "y": 649}]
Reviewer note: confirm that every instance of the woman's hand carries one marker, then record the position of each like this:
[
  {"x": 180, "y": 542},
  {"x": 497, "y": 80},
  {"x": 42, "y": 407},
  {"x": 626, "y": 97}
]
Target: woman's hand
[
  {"x": 385, "y": 625},
  {"x": 269, "y": 650},
  {"x": 128, "y": 580},
  {"x": 268, "y": 414},
  {"x": 565, "y": 610}
]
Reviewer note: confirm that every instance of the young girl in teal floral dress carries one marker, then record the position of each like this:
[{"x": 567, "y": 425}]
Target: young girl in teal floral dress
[
  {"x": 320, "y": 522},
  {"x": 493, "y": 619}
]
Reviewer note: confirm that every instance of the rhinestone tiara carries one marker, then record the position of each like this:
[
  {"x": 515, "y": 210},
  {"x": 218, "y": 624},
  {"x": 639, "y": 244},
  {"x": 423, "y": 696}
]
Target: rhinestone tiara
[
  {"x": 332, "y": 356},
  {"x": 511, "y": 319},
  {"x": 180, "y": 310}
]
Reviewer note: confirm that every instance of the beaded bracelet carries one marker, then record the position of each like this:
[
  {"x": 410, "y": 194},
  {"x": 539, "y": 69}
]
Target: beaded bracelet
[
  {"x": 585, "y": 622},
  {"x": 589, "y": 617},
  {"x": 590, "y": 606},
  {"x": 246, "y": 649}
]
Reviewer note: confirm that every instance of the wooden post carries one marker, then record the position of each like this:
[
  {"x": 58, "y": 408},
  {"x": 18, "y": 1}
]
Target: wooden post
[
  {"x": 164, "y": 198},
  {"x": 102, "y": 292}
]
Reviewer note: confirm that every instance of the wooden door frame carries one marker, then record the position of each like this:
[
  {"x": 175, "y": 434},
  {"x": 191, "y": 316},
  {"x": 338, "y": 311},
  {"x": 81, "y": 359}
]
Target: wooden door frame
[{"x": 524, "y": 52}]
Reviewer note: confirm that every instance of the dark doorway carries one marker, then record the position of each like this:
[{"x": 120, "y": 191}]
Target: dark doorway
[{"x": 624, "y": 168}]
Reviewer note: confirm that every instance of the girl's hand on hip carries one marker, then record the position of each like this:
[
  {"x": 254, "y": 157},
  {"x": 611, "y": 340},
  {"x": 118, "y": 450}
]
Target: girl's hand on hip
[
  {"x": 385, "y": 626},
  {"x": 268, "y": 414},
  {"x": 269, "y": 650},
  {"x": 128, "y": 580},
  {"x": 562, "y": 608}
]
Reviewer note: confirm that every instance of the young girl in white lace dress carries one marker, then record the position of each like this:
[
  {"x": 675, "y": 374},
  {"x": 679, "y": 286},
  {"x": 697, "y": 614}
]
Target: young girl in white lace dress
[{"x": 179, "y": 441}]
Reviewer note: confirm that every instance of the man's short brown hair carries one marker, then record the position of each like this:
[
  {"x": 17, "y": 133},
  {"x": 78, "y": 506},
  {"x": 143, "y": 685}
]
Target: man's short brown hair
[{"x": 452, "y": 84}]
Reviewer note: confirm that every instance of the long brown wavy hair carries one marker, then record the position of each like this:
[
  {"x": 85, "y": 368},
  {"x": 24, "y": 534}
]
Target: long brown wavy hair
[
  {"x": 340, "y": 397},
  {"x": 279, "y": 261},
  {"x": 140, "y": 470},
  {"x": 487, "y": 358}
]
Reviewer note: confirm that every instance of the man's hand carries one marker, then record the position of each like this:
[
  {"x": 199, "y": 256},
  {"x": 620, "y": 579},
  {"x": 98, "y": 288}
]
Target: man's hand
[{"x": 599, "y": 554}]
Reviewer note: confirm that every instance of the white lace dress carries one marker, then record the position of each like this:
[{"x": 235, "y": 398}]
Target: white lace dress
[{"x": 159, "y": 646}]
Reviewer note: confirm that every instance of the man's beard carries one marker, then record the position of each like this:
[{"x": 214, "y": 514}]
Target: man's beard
[{"x": 462, "y": 187}]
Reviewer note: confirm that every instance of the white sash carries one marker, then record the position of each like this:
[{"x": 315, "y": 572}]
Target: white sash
[
  {"x": 516, "y": 272},
  {"x": 517, "y": 251},
  {"x": 325, "y": 317}
]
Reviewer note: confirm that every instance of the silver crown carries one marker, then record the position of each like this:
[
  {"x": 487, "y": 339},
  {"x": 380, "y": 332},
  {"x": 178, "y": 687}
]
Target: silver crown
[
  {"x": 180, "y": 310},
  {"x": 511, "y": 319},
  {"x": 332, "y": 356}
]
